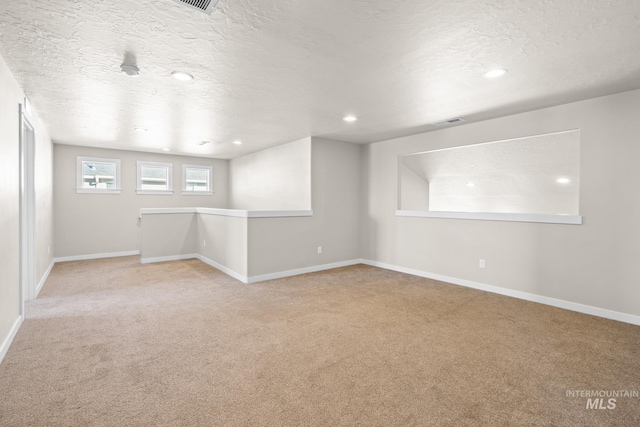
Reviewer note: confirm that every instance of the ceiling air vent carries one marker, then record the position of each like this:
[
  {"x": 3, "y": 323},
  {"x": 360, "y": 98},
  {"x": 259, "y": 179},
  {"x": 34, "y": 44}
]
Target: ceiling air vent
[
  {"x": 205, "y": 6},
  {"x": 449, "y": 121}
]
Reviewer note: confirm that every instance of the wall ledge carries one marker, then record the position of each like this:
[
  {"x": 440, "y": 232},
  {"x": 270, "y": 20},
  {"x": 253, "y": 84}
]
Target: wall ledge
[
  {"x": 554, "y": 302},
  {"x": 152, "y": 211},
  {"x": 239, "y": 213},
  {"x": 495, "y": 216}
]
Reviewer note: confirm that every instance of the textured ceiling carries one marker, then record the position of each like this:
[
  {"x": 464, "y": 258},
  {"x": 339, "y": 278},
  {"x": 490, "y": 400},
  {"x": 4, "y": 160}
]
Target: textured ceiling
[{"x": 273, "y": 71}]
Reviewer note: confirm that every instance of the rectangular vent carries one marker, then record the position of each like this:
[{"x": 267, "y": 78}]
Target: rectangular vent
[
  {"x": 449, "y": 121},
  {"x": 205, "y": 6}
]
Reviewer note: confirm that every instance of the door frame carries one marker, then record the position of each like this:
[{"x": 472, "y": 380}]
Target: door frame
[{"x": 27, "y": 208}]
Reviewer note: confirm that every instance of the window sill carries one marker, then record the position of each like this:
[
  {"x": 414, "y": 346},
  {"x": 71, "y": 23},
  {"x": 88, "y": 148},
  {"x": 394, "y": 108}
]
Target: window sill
[
  {"x": 155, "y": 192},
  {"x": 497, "y": 216},
  {"x": 97, "y": 191}
]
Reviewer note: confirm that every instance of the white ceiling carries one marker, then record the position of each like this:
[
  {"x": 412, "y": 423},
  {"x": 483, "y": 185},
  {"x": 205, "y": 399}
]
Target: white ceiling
[{"x": 273, "y": 71}]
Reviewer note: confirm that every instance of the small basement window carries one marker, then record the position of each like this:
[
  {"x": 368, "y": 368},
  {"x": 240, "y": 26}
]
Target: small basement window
[
  {"x": 98, "y": 175},
  {"x": 197, "y": 180},
  {"x": 155, "y": 178}
]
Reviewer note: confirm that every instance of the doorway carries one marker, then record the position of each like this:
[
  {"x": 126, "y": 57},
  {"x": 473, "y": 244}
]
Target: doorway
[{"x": 27, "y": 208}]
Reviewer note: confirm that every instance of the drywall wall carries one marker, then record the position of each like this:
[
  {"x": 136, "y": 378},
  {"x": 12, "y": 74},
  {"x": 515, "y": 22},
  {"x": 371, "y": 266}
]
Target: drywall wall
[
  {"x": 281, "y": 244},
  {"x": 87, "y": 224},
  {"x": 413, "y": 190},
  {"x": 10, "y": 303},
  {"x": 251, "y": 247},
  {"x": 168, "y": 235},
  {"x": 9, "y": 202},
  {"x": 223, "y": 240},
  {"x": 277, "y": 178},
  {"x": 593, "y": 264}
]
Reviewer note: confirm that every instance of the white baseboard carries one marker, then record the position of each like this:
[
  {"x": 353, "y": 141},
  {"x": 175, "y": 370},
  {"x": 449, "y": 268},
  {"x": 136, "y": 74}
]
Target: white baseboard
[
  {"x": 44, "y": 278},
  {"x": 167, "y": 258},
  {"x": 305, "y": 270},
  {"x": 567, "y": 305},
  {"x": 9, "y": 339},
  {"x": 222, "y": 268},
  {"x": 96, "y": 256}
]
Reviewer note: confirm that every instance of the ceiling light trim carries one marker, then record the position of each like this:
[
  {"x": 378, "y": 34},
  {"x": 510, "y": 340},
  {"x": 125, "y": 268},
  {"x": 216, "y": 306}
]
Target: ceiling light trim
[
  {"x": 494, "y": 74},
  {"x": 182, "y": 76}
]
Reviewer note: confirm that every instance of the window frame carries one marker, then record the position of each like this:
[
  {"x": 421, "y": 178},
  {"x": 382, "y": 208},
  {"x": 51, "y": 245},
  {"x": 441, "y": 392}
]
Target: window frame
[
  {"x": 140, "y": 164},
  {"x": 209, "y": 190},
  {"x": 80, "y": 160}
]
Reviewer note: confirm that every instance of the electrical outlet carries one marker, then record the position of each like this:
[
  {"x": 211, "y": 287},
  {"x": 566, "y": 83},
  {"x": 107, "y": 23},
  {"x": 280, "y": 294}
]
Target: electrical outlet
[
  {"x": 319, "y": 249},
  {"x": 481, "y": 264},
  {"x": 204, "y": 243}
]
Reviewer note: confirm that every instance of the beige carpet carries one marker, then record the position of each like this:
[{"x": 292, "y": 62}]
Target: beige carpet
[{"x": 115, "y": 343}]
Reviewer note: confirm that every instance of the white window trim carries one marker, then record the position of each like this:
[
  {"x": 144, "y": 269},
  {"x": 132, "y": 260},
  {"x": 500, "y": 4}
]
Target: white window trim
[
  {"x": 79, "y": 179},
  {"x": 169, "y": 166},
  {"x": 186, "y": 192}
]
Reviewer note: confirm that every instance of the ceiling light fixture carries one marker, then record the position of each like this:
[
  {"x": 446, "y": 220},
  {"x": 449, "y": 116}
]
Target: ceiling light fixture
[
  {"x": 237, "y": 142},
  {"x": 130, "y": 70},
  {"x": 349, "y": 118},
  {"x": 495, "y": 73},
  {"x": 563, "y": 180},
  {"x": 141, "y": 130},
  {"x": 182, "y": 76},
  {"x": 166, "y": 149},
  {"x": 470, "y": 184}
]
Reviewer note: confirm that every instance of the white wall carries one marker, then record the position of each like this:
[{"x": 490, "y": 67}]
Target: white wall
[
  {"x": 226, "y": 241},
  {"x": 169, "y": 235},
  {"x": 280, "y": 244},
  {"x": 277, "y": 178},
  {"x": 251, "y": 247},
  {"x": 89, "y": 224},
  {"x": 594, "y": 264},
  {"x": 11, "y": 96}
]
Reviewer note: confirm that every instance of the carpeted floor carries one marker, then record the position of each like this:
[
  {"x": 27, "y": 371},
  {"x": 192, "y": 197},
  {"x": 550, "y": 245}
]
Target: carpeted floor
[{"x": 115, "y": 343}]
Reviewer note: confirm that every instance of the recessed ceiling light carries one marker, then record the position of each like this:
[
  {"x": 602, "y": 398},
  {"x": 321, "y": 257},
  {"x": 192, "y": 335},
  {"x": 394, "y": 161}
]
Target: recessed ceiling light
[
  {"x": 563, "y": 180},
  {"x": 237, "y": 142},
  {"x": 166, "y": 149},
  {"x": 141, "y": 130},
  {"x": 130, "y": 70},
  {"x": 349, "y": 118},
  {"x": 182, "y": 76},
  {"x": 470, "y": 184},
  {"x": 495, "y": 73}
]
